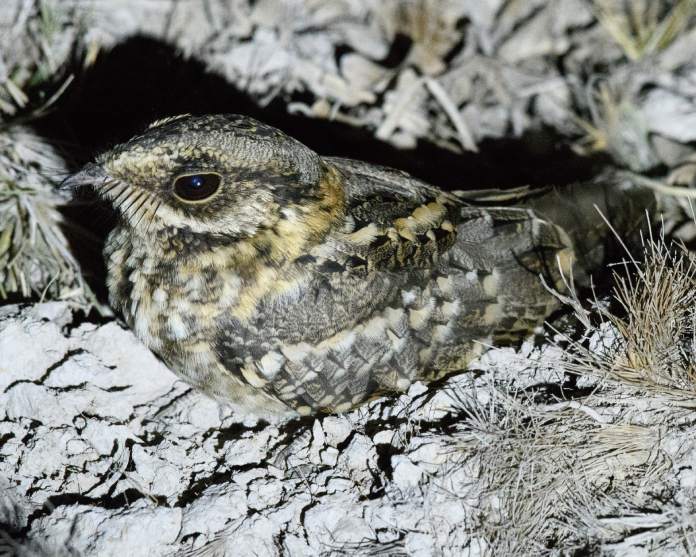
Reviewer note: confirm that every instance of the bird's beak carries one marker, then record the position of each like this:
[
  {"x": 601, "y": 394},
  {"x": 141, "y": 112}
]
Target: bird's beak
[{"x": 91, "y": 175}]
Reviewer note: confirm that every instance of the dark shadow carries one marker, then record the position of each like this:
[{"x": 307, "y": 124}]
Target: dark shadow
[{"x": 143, "y": 79}]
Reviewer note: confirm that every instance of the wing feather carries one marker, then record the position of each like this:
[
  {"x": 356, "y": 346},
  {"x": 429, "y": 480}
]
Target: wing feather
[{"x": 404, "y": 290}]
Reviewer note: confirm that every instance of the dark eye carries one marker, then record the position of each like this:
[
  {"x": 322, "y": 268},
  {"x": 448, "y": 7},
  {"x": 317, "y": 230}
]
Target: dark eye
[{"x": 196, "y": 187}]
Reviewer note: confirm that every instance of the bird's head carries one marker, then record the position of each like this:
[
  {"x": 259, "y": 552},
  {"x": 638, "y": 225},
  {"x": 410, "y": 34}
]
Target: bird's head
[{"x": 221, "y": 175}]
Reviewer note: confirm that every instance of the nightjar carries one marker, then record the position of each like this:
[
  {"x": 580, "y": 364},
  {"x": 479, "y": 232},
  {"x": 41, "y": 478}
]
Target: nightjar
[{"x": 284, "y": 282}]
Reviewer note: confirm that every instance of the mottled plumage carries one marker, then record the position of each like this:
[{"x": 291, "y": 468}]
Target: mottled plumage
[{"x": 304, "y": 283}]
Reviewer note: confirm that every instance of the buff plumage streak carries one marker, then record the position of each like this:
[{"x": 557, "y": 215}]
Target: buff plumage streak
[{"x": 284, "y": 282}]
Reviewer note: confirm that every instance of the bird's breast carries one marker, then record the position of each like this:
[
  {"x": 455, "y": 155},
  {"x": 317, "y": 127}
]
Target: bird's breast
[
  {"x": 174, "y": 303},
  {"x": 168, "y": 303}
]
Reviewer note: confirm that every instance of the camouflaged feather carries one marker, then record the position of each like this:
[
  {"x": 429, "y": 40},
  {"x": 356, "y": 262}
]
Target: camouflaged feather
[{"x": 311, "y": 283}]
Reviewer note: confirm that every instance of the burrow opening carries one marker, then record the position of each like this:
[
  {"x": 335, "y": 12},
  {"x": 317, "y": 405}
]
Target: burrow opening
[{"x": 143, "y": 79}]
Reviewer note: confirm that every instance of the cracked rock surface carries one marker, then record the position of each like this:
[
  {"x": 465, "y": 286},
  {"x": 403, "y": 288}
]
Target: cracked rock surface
[{"x": 104, "y": 452}]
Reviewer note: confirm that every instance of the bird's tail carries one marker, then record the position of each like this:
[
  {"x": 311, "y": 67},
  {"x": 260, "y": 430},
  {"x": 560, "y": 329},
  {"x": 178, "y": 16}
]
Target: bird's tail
[{"x": 597, "y": 217}]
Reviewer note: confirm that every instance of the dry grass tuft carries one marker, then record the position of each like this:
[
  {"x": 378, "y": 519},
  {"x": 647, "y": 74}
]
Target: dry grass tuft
[
  {"x": 34, "y": 45},
  {"x": 545, "y": 473},
  {"x": 35, "y": 259},
  {"x": 644, "y": 27},
  {"x": 36, "y": 39},
  {"x": 587, "y": 474},
  {"x": 655, "y": 330}
]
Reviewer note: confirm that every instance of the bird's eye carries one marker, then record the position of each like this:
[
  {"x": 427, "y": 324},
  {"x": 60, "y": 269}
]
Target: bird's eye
[{"x": 196, "y": 187}]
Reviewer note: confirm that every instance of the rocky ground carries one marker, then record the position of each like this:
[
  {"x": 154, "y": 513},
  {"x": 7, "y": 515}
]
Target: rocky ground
[
  {"x": 107, "y": 453},
  {"x": 579, "y": 442},
  {"x": 104, "y": 452}
]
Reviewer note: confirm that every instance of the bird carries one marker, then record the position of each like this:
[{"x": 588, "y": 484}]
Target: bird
[{"x": 285, "y": 283}]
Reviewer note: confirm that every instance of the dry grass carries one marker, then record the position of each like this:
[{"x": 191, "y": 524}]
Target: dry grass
[
  {"x": 32, "y": 52},
  {"x": 655, "y": 329},
  {"x": 643, "y": 27},
  {"x": 615, "y": 122},
  {"x": 595, "y": 473},
  {"x": 546, "y": 473},
  {"x": 35, "y": 260},
  {"x": 615, "y": 125}
]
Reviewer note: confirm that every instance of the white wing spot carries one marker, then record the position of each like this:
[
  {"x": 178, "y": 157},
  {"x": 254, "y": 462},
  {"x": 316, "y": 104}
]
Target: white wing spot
[{"x": 270, "y": 364}]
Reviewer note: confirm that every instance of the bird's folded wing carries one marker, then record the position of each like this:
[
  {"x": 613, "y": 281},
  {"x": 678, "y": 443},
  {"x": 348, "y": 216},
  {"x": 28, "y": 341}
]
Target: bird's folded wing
[{"x": 408, "y": 286}]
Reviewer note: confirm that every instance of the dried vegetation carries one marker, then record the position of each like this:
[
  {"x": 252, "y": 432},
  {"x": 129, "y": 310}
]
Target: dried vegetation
[
  {"x": 35, "y": 258},
  {"x": 598, "y": 466}
]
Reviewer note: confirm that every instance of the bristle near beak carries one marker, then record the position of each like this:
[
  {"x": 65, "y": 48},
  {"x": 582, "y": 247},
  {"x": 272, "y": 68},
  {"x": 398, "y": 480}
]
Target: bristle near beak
[{"x": 91, "y": 175}]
